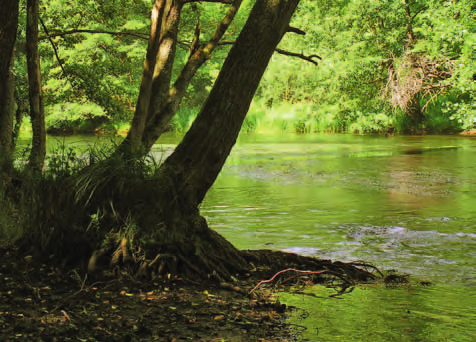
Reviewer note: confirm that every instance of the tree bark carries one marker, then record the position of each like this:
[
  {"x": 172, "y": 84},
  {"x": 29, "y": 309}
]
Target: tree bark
[
  {"x": 198, "y": 159},
  {"x": 8, "y": 32},
  {"x": 38, "y": 148},
  {"x": 410, "y": 33},
  {"x": 157, "y": 103},
  {"x": 19, "y": 113},
  {"x": 157, "y": 72},
  {"x": 157, "y": 30},
  {"x": 7, "y": 113},
  {"x": 158, "y": 124}
]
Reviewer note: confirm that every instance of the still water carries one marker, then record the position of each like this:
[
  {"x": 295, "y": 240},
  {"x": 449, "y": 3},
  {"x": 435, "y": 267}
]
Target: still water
[{"x": 405, "y": 203}]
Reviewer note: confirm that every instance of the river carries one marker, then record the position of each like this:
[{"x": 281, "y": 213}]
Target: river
[{"x": 403, "y": 202}]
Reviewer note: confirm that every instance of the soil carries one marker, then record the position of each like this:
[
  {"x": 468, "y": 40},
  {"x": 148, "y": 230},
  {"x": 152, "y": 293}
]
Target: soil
[{"x": 39, "y": 302}]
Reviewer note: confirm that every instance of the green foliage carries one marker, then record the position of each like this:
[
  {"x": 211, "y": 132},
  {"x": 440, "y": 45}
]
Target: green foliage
[
  {"x": 371, "y": 123},
  {"x": 360, "y": 43},
  {"x": 183, "y": 119},
  {"x": 71, "y": 116},
  {"x": 101, "y": 71}
]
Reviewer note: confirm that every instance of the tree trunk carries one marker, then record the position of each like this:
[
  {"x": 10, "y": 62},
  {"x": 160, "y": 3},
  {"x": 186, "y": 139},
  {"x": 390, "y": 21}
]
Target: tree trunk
[
  {"x": 7, "y": 114},
  {"x": 198, "y": 159},
  {"x": 410, "y": 33},
  {"x": 157, "y": 72},
  {"x": 158, "y": 102},
  {"x": 38, "y": 148},
  {"x": 8, "y": 32},
  {"x": 158, "y": 29},
  {"x": 173, "y": 222},
  {"x": 176, "y": 238},
  {"x": 19, "y": 113}
]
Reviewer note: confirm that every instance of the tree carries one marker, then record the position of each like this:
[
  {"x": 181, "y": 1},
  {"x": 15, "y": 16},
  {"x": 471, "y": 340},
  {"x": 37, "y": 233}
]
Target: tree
[
  {"x": 38, "y": 149},
  {"x": 158, "y": 110},
  {"x": 155, "y": 217},
  {"x": 190, "y": 171},
  {"x": 8, "y": 32}
]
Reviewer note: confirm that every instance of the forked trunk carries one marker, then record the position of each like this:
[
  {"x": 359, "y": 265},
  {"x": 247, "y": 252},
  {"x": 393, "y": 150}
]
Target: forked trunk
[
  {"x": 157, "y": 71},
  {"x": 187, "y": 175}
]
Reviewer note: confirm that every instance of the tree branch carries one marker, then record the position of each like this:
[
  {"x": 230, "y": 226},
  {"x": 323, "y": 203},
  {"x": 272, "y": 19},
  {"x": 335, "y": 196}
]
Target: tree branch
[
  {"x": 299, "y": 55},
  {"x": 201, "y": 53},
  {"x": 65, "y": 33},
  {"x": 194, "y": 45},
  {"x": 296, "y": 30},
  {"x": 282, "y": 52},
  {"x": 55, "y": 51},
  {"x": 424, "y": 8}
]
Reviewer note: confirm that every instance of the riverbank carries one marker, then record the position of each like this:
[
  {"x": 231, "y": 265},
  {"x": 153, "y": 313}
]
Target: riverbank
[{"x": 42, "y": 303}]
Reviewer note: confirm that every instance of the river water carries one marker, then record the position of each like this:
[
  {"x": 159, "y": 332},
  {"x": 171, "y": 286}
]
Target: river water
[{"x": 404, "y": 202}]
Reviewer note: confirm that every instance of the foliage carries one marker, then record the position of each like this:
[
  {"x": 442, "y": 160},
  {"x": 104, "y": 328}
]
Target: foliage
[
  {"x": 360, "y": 41},
  {"x": 364, "y": 47}
]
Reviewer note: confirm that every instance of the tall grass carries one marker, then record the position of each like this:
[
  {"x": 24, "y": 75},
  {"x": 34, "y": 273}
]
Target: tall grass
[{"x": 287, "y": 117}]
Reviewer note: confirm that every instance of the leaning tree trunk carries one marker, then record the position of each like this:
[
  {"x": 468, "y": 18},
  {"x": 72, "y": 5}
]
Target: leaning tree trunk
[
  {"x": 38, "y": 148},
  {"x": 199, "y": 158},
  {"x": 187, "y": 175},
  {"x": 8, "y": 32},
  {"x": 21, "y": 107}
]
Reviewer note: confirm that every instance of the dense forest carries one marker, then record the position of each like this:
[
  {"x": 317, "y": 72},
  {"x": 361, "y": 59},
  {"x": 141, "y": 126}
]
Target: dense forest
[{"x": 363, "y": 66}]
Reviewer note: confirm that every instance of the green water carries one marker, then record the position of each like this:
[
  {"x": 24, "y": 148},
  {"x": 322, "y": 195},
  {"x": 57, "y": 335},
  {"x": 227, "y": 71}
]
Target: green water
[{"x": 349, "y": 197}]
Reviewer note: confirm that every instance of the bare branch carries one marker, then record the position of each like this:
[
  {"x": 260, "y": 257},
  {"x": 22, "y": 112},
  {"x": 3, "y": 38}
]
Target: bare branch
[
  {"x": 296, "y": 30},
  {"x": 281, "y": 51},
  {"x": 299, "y": 55},
  {"x": 55, "y": 51},
  {"x": 226, "y": 42},
  {"x": 65, "y": 33},
  {"x": 437, "y": 86}
]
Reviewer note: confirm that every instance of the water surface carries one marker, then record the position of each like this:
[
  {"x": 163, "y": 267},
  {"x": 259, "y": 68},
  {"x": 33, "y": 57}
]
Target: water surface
[{"x": 405, "y": 203}]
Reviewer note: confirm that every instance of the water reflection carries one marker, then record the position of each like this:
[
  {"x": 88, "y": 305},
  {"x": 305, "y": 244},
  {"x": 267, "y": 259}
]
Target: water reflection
[
  {"x": 363, "y": 198},
  {"x": 353, "y": 197}
]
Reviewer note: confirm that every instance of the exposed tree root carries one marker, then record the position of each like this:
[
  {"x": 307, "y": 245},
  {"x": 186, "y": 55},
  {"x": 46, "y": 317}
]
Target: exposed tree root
[
  {"x": 215, "y": 258},
  {"x": 196, "y": 253},
  {"x": 340, "y": 275}
]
